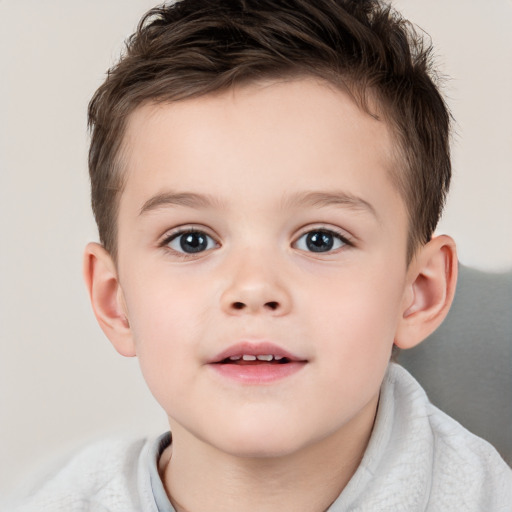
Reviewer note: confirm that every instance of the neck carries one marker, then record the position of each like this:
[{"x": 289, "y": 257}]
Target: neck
[{"x": 199, "y": 477}]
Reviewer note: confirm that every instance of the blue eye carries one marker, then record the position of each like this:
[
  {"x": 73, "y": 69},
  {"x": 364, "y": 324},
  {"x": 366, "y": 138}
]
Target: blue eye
[
  {"x": 320, "y": 240},
  {"x": 191, "y": 242}
]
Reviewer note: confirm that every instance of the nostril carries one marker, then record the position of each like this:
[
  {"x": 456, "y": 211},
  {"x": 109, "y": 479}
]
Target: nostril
[{"x": 238, "y": 306}]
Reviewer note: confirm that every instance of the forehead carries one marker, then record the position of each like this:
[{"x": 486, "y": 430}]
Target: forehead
[{"x": 258, "y": 141}]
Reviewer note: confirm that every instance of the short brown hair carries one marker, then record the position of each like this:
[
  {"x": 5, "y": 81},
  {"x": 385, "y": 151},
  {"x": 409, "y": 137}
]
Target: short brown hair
[{"x": 194, "y": 47}]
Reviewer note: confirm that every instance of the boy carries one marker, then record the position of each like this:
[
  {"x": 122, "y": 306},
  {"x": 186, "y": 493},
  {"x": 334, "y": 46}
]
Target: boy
[{"x": 266, "y": 178}]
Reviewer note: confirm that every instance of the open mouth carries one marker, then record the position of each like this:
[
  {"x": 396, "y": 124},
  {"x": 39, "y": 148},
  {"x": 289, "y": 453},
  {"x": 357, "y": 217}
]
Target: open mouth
[
  {"x": 256, "y": 363},
  {"x": 251, "y": 360}
]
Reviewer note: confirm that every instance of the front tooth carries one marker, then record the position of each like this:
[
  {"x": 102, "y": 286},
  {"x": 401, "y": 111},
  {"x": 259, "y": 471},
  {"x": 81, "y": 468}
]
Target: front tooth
[
  {"x": 278, "y": 358},
  {"x": 246, "y": 357},
  {"x": 265, "y": 357},
  {"x": 235, "y": 358}
]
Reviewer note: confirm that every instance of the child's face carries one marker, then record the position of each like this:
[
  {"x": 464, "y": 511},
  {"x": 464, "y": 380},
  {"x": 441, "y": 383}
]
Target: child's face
[{"x": 293, "y": 242}]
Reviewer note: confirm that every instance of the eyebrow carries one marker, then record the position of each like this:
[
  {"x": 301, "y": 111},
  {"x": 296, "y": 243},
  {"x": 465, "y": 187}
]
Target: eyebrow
[
  {"x": 314, "y": 199},
  {"x": 188, "y": 199},
  {"x": 325, "y": 199}
]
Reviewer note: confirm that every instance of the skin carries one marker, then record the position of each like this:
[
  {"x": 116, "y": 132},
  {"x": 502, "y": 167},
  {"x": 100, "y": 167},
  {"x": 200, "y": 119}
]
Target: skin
[{"x": 257, "y": 154}]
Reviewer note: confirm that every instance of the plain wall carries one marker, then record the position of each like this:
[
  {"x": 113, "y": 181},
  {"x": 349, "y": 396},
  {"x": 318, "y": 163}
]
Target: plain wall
[{"x": 61, "y": 383}]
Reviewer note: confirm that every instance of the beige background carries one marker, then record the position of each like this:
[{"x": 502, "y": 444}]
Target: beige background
[{"x": 61, "y": 384}]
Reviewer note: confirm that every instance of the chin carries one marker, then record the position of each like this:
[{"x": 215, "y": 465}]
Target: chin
[
  {"x": 260, "y": 440},
  {"x": 260, "y": 450}
]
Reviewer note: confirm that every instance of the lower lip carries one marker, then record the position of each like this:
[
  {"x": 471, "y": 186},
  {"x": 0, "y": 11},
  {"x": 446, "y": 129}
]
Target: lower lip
[{"x": 258, "y": 373}]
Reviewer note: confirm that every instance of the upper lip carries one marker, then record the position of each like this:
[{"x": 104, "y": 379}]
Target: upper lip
[{"x": 254, "y": 349}]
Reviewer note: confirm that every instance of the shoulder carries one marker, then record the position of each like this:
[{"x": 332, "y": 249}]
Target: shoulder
[
  {"x": 469, "y": 463},
  {"x": 466, "y": 469},
  {"x": 101, "y": 477}
]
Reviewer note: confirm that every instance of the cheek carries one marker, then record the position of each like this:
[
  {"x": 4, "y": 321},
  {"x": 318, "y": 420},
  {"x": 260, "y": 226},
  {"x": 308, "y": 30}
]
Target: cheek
[
  {"x": 357, "y": 318},
  {"x": 166, "y": 326},
  {"x": 165, "y": 306},
  {"x": 355, "y": 342}
]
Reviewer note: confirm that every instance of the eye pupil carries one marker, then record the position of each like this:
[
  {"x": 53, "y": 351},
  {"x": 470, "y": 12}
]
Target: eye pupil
[
  {"x": 193, "y": 242},
  {"x": 319, "y": 241}
]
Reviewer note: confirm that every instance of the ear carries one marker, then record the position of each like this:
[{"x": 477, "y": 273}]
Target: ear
[
  {"x": 107, "y": 298},
  {"x": 431, "y": 281}
]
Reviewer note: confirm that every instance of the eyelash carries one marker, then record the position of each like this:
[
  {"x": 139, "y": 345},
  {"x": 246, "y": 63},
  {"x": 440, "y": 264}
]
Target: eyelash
[
  {"x": 185, "y": 231},
  {"x": 341, "y": 237},
  {"x": 165, "y": 243}
]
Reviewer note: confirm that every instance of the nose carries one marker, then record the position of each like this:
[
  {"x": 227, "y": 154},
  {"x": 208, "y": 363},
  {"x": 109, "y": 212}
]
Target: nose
[{"x": 255, "y": 287}]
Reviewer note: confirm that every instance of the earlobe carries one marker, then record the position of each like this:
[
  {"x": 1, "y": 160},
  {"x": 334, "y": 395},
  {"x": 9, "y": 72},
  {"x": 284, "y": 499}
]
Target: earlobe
[
  {"x": 430, "y": 289},
  {"x": 107, "y": 298}
]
